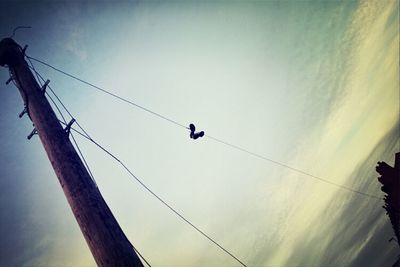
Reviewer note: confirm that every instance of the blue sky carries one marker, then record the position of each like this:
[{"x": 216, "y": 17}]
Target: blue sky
[{"x": 312, "y": 84}]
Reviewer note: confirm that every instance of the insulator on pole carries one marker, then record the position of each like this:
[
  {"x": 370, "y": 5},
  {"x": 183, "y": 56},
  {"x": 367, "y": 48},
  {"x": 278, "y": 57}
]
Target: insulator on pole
[
  {"x": 25, "y": 110},
  {"x": 45, "y": 86},
  {"x": 68, "y": 127},
  {"x": 34, "y": 131},
  {"x": 24, "y": 49},
  {"x": 9, "y": 80}
]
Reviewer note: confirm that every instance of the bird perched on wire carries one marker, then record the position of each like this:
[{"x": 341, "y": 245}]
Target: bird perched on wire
[{"x": 193, "y": 134}]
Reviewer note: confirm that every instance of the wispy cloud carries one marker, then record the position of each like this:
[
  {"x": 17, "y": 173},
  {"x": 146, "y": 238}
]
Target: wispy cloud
[
  {"x": 352, "y": 230},
  {"x": 359, "y": 117},
  {"x": 75, "y": 44},
  {"x": 71, "y": 30}
]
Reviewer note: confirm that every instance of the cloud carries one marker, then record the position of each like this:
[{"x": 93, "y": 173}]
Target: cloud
[
  {"x": 359, "y": 116},
  {"x": 353, "y": 230},
  {"x": 70, "y": 29},
  {"x": 74, "y": 43}
]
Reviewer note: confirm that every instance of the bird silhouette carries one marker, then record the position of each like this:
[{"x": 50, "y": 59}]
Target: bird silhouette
[{"x": 193, "y": 134}]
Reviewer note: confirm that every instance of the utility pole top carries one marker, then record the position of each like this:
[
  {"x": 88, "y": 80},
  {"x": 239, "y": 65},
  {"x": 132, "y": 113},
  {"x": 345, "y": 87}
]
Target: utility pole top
[{"x": 10, "y": 53}]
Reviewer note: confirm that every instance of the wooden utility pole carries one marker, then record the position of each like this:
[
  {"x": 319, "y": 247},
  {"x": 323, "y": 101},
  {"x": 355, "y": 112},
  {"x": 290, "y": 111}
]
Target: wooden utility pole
[{"x": 105, "y": 238}]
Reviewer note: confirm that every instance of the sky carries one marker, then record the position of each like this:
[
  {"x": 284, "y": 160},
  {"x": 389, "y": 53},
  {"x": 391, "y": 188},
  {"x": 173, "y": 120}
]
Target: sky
[{"x": 310, "y": 84}]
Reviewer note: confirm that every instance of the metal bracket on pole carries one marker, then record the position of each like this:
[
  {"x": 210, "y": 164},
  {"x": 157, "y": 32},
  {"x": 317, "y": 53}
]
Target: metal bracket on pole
[
  {"x": 24, "y": 49},
  {"x": 9, "y": 80},
  {"x": 68, "y": 127},
  {"x": 23, "y": 112},
  {"x": 34, "y": 131},
  {"x": 45, "y": 86}
]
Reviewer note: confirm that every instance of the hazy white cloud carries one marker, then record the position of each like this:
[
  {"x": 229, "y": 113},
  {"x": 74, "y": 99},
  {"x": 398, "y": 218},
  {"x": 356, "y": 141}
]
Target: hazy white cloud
[
  {"x": 75, "y": 45},
  {"x": 357, "y": 121}
]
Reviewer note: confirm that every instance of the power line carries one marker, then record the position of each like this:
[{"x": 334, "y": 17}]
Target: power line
[
  {"x": 209, "y": 136},
  {"x": 19, "y": 27},
  {"x": 87, "y": 136},
  {"x": 39, "y": 78},
  {"x": 74, "y": 141},
  {"x": 111, "y": 94},
  {"x": 158, "y": 197},
  {"x": 140, "y": 255},
  {"x": 76, "y": 144},
  {"x": 291, "y": 168}
]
